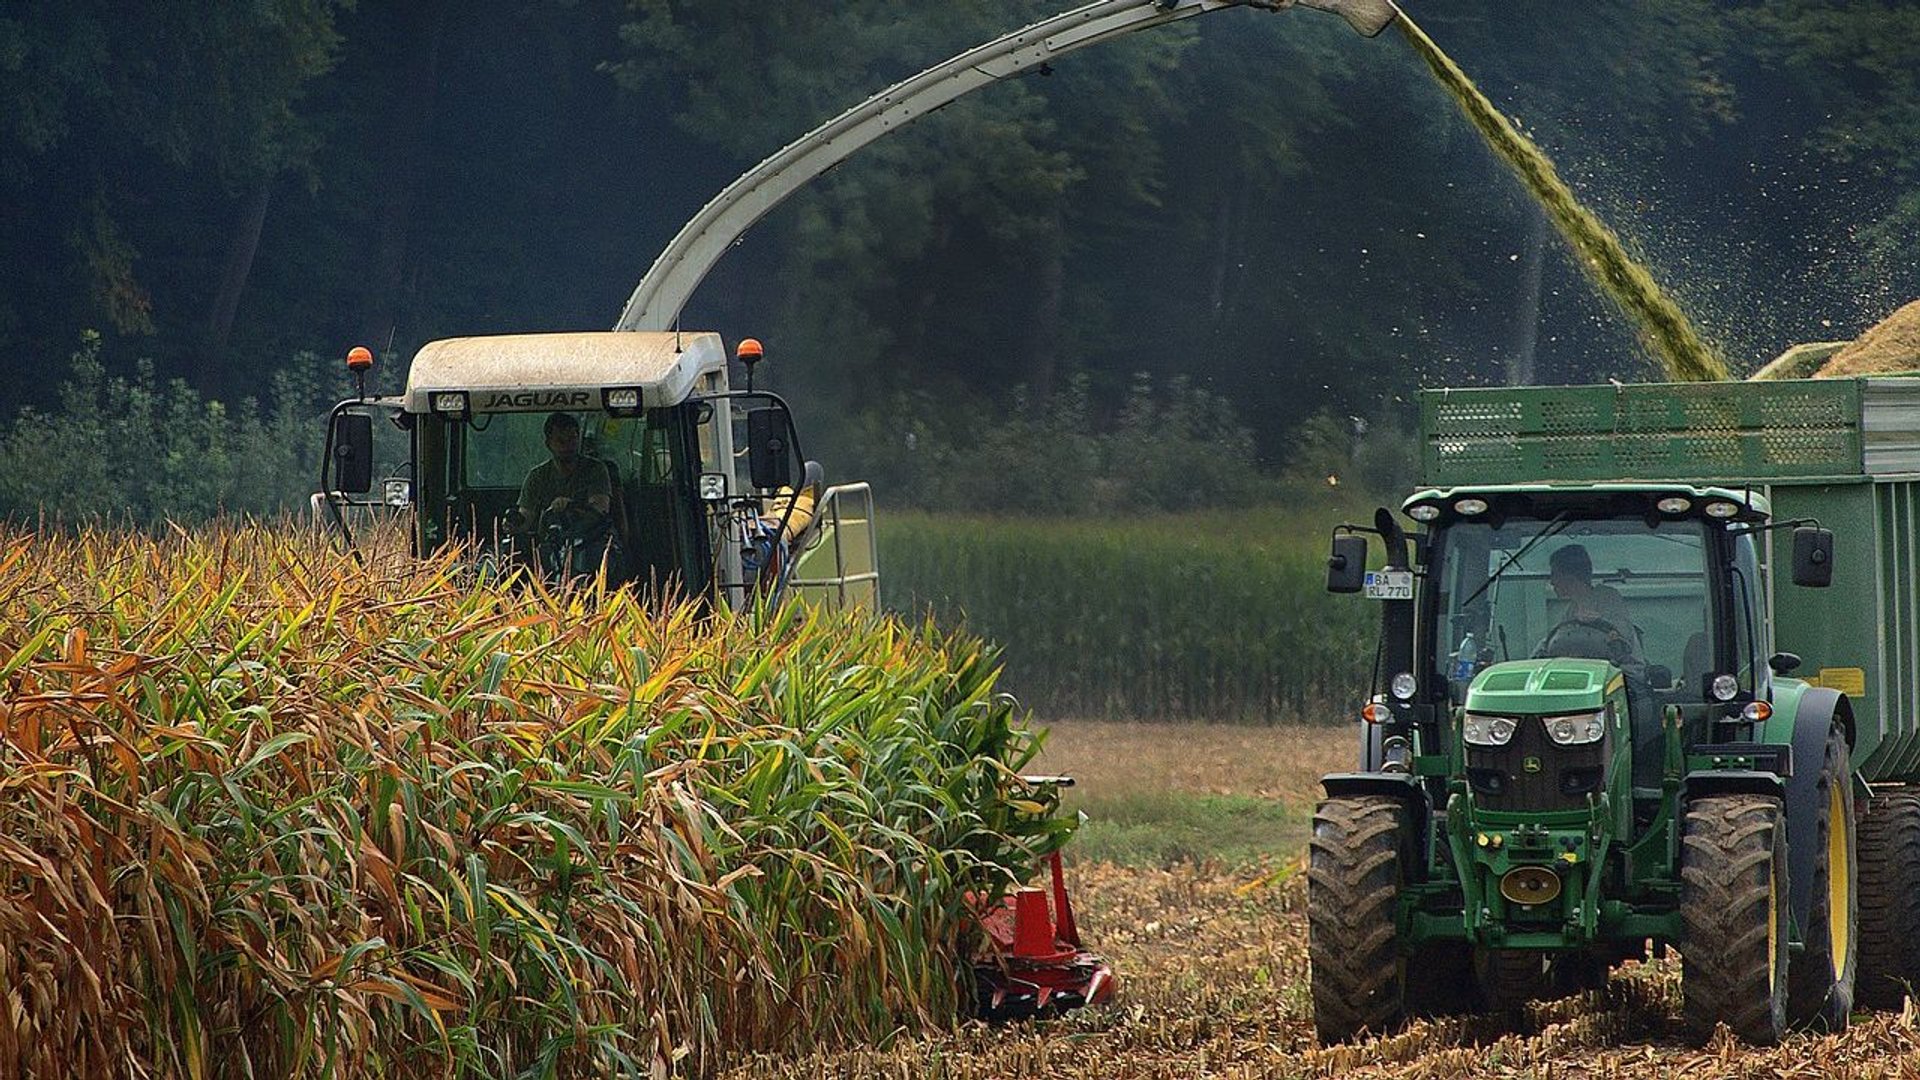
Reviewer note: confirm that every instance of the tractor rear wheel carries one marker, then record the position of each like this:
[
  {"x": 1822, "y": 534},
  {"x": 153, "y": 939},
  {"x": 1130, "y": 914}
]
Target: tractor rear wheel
[
  {"x": 1889, "y": 853},
  {"x": 1733, "y": 911},
  {"x": 1820, "y": 988},
  {"x": 1358, "y": 858}
]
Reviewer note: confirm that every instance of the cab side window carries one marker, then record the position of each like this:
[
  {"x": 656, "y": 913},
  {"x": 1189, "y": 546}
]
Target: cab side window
[{"x": 1748, "y": 598}]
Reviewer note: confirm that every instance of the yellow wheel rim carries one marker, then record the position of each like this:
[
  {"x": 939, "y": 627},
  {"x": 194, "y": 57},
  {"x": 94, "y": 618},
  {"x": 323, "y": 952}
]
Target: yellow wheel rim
[
  {"x": 1839, "y": 874},
  {"x": 1773, "y": 931}
]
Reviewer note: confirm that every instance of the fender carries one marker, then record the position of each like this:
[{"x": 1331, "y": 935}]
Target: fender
[
  {"x": 1730, "y": 782},
  {"x": 1802, "y": 716},
  {"x": 1396, "y": 785}
]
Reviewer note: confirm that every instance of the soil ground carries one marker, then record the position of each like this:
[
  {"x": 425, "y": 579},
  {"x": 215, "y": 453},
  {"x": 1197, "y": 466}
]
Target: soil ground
[{"x": 1211, "y": 950}]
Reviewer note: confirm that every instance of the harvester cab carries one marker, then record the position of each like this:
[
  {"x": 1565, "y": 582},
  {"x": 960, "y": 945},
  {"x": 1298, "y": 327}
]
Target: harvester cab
[{"x": 623, "y": 453}]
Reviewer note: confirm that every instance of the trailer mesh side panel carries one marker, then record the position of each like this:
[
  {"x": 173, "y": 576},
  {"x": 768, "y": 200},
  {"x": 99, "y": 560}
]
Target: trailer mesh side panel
[{"x": 1658, "y": 432}]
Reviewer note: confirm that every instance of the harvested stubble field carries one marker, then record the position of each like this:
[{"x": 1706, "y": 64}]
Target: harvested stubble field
[{"x": 1213, "y": 956}]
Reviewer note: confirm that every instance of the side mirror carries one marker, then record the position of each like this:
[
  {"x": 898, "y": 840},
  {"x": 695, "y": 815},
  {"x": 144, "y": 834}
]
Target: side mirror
[
  {"x": 1347, "y": 566},
  {"x": 1813, "y": 556},
  {"x": 769, "y": 454},
  {"x": 1784, "y": 663},
  {"x": 353, "y": 453}
]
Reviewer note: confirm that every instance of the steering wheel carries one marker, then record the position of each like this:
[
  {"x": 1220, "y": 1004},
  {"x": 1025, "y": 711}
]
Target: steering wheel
[
  {"x": 1587, "y": 636},
  {"x": 578, "y": 521},
  {"x": 569, "y": 539}
]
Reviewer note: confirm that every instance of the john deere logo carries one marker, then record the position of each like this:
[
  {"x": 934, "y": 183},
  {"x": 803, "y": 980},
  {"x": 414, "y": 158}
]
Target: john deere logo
[{"x": 1531, "y": 764}]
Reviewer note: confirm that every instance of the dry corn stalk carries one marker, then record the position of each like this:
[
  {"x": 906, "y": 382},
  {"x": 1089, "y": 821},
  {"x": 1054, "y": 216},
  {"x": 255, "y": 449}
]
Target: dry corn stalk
[{"x": 264, "y": 812}]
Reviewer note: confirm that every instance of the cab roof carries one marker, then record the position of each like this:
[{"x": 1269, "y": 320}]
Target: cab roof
[
  {"x": 540, "y": 372},
  {"x": 1754, "y": 507}
]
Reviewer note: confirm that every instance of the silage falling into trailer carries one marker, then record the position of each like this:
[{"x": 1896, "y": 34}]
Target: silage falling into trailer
[{"x": 1663, "y": 325}]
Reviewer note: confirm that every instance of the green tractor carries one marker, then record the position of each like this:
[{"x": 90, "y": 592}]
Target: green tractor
[{"x": 1622, "y": 703}]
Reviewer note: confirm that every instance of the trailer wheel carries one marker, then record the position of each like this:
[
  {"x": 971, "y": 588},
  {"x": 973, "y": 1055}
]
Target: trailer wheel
[
  {"x": 1889, "y": 859},
  {"x": 1820, "y": 989},
  {"x": 1357, "y": 859},
  {"x": 1733, "y": 911}
]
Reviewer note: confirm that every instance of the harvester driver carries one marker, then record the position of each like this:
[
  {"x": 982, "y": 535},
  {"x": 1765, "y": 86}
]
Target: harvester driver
[
  {"x": 568, "y": 499},
  {"x": 568, "y": 483}
]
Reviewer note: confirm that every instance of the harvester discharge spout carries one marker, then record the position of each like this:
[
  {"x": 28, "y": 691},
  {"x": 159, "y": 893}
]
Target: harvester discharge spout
[
  {"x": 1367, "y": 17},
  {"x": 683, "y": 265}
]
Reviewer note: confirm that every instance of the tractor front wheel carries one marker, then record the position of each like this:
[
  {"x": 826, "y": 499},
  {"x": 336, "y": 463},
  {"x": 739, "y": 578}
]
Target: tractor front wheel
[
  {"x": 1356, "y": 862},
  {"x": 1733, "y": 911}
]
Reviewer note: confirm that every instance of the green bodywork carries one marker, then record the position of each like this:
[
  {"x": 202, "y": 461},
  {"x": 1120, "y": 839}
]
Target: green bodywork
[
  {"x": 1843, "y": 452},
  {"x": 1616, "y": 883}
]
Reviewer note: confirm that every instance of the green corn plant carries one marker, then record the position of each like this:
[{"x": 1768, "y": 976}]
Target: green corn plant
[
  {"x": 264, "y": 811},
  {"x": 1215, "y": 616}
]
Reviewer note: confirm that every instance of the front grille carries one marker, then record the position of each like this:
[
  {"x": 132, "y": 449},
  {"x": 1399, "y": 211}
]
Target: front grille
[{"x": 1562, "y": 781}]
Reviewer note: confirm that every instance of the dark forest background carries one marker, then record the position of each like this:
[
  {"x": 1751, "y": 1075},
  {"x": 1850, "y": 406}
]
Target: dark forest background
[{"x": 1243, "y": 239}]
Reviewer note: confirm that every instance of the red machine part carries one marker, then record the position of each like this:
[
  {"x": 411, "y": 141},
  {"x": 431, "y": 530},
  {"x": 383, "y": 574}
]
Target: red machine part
[{"x": 1033, "y": 964}]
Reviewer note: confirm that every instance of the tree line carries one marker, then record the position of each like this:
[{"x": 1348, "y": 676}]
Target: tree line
[{"x": 1255, "y": 206}]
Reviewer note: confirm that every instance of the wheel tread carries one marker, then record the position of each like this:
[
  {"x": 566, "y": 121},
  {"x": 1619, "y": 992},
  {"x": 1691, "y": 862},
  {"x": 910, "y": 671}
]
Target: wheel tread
[
  {"x": 1889, "y": 860},
  {"x": 1815, "y": 998},
  {"x": 1353, "y": 889},
  {"x": 1731, "y": 850}
]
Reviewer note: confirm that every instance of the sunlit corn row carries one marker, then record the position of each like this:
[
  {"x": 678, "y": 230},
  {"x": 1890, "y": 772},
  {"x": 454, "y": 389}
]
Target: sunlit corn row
[
  {"x": 264, "y": 812},
  {"x": 1216, "y": 616}
]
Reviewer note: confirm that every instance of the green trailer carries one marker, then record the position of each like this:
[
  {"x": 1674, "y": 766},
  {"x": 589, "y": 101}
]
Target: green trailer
[{"x": 1649, "y": 675}]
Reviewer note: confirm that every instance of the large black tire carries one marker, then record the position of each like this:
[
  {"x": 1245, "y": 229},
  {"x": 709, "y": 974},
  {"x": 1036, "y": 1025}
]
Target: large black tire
[
  {"x": 1733, "y": 911},
  {"x": 1820, "y": 989},
  {"x": 1889, "y": 860},
  {"x": 1357, "y": 859}
]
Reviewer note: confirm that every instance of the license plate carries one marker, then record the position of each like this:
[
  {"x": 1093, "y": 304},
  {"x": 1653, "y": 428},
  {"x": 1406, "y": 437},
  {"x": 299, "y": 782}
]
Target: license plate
[{"x": 1389, "y": 584}]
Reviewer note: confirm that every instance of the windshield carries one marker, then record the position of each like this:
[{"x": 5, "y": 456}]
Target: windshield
[
  {"x": 502, "y": 448},
  {"x": 497, "y": 475},
  {"x": 1620, "y": 590}
]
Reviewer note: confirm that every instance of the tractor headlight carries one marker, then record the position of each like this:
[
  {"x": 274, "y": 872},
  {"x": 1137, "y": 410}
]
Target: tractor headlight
[
  {"x": 1576, "y": 730},
  {"x": 1487, "y": 730},
  {"x": 1722, "y": 509},
  {"x": 1724, "y": 687},
  {"x": 1404, "y": 686},
  {"x": 451, "y": 403}
]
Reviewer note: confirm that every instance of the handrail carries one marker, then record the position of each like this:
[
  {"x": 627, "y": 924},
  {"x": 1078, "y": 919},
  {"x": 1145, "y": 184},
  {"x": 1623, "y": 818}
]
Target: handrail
[{"x": 830, "y": 523}]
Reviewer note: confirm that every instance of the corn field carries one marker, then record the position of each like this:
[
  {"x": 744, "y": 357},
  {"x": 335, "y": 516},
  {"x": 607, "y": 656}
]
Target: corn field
[
  {"x": 267, "y": 812},
  {"x": 1216, "y": 616}
]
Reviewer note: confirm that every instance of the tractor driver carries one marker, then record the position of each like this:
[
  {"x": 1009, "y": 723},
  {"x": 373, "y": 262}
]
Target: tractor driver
[
  {"x": 1595, "y": 609},
  {"x": 568, "y": 483}
]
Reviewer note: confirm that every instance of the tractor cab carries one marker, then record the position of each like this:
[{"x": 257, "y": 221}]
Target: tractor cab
[
  {"x": 1570, "y": 617},
  {"x": 621, "y": 453}
]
